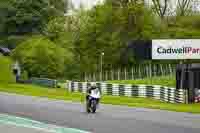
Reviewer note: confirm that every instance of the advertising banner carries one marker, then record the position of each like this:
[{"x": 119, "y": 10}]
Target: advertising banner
[{"x": 176, "y": 49}]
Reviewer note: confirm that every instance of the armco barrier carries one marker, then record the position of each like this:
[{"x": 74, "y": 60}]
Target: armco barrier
[
  {"x": 166, "y": 94},
  {"x": 44, "y": 82}
]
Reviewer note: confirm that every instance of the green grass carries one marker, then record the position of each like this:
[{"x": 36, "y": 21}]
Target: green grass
[
  {"x": 168, "y": 81},
  {"x": 6, "y": 71},
  {"x": 33, "y": 90},
  {"x": 62, "y": 94}
]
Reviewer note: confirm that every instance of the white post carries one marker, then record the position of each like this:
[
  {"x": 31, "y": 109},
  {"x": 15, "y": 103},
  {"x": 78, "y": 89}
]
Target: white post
[
  {"x": 85, "y": 76},
  {"x": 170, "y": 69},
  {"x": 91, "y": 76},
  {"x": 125, "y": 73},
  {"x": 100, "y": 76},
  {"x": 106, "y": 75},
  {"x": 94, "y": 77},
  {"x": 84, "y": 87},
  {"x": 147, "y": 70},
  {"x": 132, "y": 73},
  {"x": 154, "y": 68},
  {"x": 161, "y": 68},
  {"x": 118, "y": 74},
  {"x": 101, "y": 69},
  {"x": 69, "y": 86},
  {"x": 139, "y": 72},
  {"x": 150, "y": 70},
  {"x": 102, "y": 54},
  {"x": 112, "y": 77}
]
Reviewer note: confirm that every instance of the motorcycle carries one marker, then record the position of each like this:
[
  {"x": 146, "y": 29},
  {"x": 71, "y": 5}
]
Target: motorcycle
[{"x": 92, "y": 102}]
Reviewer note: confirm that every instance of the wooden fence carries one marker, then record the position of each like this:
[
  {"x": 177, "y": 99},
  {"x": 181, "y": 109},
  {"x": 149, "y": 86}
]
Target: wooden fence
[{"x": 130, "y": 73}]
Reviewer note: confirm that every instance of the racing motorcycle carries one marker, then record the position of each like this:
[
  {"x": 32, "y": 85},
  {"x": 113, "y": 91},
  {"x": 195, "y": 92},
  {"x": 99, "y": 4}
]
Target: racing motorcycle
[{"x": 92, "y": 102}]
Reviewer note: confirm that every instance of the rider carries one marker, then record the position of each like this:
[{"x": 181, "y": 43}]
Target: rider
[{"x": 89, "y": 91}]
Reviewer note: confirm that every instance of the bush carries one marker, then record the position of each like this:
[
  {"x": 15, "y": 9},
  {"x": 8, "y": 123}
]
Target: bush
[
  {"x": 6, "y": 75},
  {"x": 190, "y": 21},
  {"x": 24, "y": 75},
  {"x": 41, "y": 58}
]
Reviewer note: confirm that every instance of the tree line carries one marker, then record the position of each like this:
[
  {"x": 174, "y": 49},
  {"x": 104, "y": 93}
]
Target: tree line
[{"x": 49, "y": 44}]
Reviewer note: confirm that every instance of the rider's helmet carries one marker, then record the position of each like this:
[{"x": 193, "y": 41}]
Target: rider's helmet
[{"x": 93, "y": 85}]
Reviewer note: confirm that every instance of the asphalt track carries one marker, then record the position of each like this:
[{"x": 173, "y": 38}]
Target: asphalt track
[
  {"x": 7, "y": 128},
  {"x": 14, "y": 124},
  {"x": 108, "y": 119}
]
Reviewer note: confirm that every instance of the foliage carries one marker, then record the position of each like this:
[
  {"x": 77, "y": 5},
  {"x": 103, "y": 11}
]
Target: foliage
[
  {"x": 108, "y": 29},
  {"x": 11, "y": 42},
  {"x": 55, "y": 27},
  {"x": 189, "y": 22},
  {"x": 41, "y": 58},
  {"x": 85, "y": 34},
  {"x": 6, "y": 75},
  {"x": 24, "y": 17},
  {"x": 24, "y": 75}
]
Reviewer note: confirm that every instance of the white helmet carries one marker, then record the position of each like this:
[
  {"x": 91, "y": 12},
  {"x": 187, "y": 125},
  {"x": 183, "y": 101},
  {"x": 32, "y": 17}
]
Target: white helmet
[{"x": 93, "y": 84}]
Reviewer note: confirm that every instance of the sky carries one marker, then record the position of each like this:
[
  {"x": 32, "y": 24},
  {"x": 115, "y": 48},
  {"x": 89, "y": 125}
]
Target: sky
[
  {"x": 86, "y": 3},
  {"x": 90, "y": 3},
  {"x": 173, "y": 3}
]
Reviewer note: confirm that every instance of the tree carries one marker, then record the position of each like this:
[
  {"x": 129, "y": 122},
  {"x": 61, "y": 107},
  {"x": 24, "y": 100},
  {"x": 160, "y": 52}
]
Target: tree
[
  {"x": 55, "y": 27},
  {"x": 42, "y": 58},
  {"x": 29, "y": 16},
  {"x": 107, "y": 29},
  {"x": 160, "y": 7},
  {"x": 183, "y": 7},
  {"x": 20, "y": 18}
]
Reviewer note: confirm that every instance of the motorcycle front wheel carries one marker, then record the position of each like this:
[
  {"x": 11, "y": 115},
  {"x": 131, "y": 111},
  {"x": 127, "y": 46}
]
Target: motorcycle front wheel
[
  {"x": 87, "y": 107},
  {"x": 93, "y": 106}
]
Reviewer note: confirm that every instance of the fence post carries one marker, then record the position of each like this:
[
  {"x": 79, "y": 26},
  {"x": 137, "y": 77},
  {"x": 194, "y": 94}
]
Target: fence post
[
  {"x": 154, "y": 70},
  {"x": 139, "y": 72},
  {"x": 102, "y": 76},
  {"x": 91, "y": 76},
  {"x": 112, "y": 77},
  {"x": 161, "y": 68},
  {"x": 132, "y": 73},
  {"x": 106, "y": 75},
  {"x": 186, "y": 96},
  {"x": 147, "y": 70},
  {"x": 170, "y": 69},
  {"x": 125, "y": 73},
  {"x": 150, "y": 70},
  {"x": 85, "y": 76},
  {"x": 99, "y": 76},
  {"x": 118, "y": 74}
]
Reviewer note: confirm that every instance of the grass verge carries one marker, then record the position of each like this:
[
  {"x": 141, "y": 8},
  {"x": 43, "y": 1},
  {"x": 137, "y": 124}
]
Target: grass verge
[
  {"x": 6, "y": 75},
  {"x": 62, "y": 94},
  {"x": 168, "y": 81}
]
